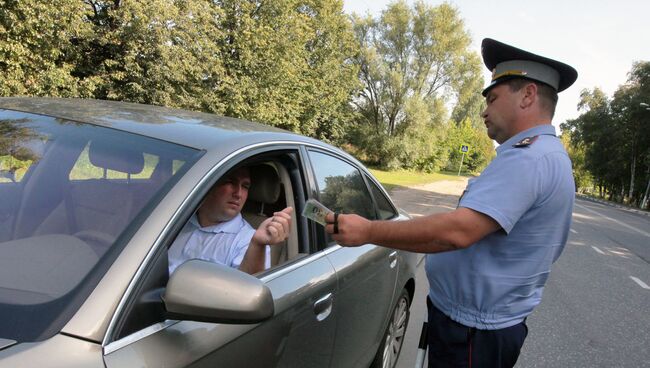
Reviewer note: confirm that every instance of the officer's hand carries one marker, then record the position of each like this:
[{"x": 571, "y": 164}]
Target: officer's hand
[{"x": 348, "y": 230}]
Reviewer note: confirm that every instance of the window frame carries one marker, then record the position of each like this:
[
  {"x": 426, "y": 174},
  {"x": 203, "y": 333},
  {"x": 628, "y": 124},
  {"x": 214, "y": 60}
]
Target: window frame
[
  {"x": 322, "y": 236},
  {"x": 158, "y": 252}
]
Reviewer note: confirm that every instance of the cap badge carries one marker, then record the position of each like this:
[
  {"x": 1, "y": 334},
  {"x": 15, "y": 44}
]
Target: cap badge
[{"x": 517, "y": 73}]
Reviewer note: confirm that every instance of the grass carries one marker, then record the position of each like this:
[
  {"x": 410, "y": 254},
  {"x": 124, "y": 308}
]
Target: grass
[{"x": 404, "y": 178}]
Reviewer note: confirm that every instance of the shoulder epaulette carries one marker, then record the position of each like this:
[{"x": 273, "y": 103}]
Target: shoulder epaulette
[{"x": 525, "y": 142}]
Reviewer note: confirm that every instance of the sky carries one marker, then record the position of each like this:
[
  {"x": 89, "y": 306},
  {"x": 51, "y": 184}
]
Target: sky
[{"x": 600, "y": 39}]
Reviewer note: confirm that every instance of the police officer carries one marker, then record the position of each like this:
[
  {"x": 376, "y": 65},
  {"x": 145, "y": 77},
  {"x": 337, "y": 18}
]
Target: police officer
[{"x": 489, "y": 259}]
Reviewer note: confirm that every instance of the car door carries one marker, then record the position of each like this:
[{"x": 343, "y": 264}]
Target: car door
[
  {"x": 366, "y": 274},
  {"x": 300, "y": 333}
]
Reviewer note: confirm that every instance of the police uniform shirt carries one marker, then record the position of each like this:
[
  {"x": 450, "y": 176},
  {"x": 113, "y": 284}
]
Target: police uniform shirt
[
  {"x": 529, "y": 190},
  {"x": 225, "y": 243}
]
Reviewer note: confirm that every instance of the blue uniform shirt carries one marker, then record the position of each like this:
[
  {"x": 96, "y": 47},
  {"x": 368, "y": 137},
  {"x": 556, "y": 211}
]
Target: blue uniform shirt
[{"x": 498, "y": 281}]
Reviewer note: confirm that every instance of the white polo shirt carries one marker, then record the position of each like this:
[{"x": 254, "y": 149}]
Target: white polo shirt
[{"x": 225, "y": 243}]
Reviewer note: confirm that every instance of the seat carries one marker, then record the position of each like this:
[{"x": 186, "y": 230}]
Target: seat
[
  {"x": 98, "y": 210},
  {"x": 265, "y": 191}
]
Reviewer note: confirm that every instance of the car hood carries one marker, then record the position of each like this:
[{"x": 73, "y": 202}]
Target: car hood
[{"x": 57, "y": 351}]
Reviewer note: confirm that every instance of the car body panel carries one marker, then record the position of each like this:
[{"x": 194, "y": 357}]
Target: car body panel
[
  {"x": 366, "y": 280},
  {"x": 188, "y": 128},
  {"x": 59, "y": 351},
  {"x": 293, "y": 337}
]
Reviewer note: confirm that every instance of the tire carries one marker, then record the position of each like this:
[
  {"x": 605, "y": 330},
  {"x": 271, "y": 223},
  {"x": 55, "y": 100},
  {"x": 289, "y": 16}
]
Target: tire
[{"x": 393, "y": 339}]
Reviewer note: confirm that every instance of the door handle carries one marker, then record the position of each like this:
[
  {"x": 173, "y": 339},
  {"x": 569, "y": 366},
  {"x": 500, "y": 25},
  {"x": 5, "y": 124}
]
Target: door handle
[
  {"x": 323, "y": 307},
  {"x": 392, "y": 259}
]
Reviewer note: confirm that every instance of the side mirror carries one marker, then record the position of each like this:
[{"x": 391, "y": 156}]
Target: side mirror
[{"x": 209, "y": 292}]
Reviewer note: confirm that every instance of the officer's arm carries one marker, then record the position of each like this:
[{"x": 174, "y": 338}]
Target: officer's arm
[{"x": 428, "y": 234}]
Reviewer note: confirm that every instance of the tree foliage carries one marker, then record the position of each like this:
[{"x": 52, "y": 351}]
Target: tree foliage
[
  {"x": 412, "y": 61},
  {"x": 37, "y": 47},
  {"x": 397, "y": 87},
  {"x": 481, "y": 149},
  {"x": 612, "y": 136},
  {"x": 283, "y": 62}
]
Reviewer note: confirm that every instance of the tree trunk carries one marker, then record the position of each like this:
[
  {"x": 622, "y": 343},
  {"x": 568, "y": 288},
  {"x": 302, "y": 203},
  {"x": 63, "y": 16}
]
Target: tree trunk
[
  {"x": 632, "y": 172},
  {"x": 622, "y": 192},
  {"x": 644, "y": 203}
]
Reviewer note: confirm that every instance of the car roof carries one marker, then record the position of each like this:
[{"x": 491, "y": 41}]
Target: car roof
[{"x": 189, "y": 128}]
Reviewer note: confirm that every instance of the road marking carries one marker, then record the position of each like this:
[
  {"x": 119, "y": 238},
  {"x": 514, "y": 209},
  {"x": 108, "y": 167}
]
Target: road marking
[
  {"x": 614, "y": 220},
  {"x": 598, "y": 250},
  {"x": 641, "y": 283},
  {"x": 573, "y": 231}
]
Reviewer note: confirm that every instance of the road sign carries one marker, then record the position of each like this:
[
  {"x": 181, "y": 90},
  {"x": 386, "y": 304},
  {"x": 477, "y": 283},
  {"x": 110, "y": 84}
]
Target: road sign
[{"x": 464, "y": 148}]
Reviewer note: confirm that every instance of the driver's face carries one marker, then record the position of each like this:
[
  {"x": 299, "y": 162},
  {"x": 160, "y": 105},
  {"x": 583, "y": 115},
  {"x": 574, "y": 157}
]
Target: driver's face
[{"x": 226, "y": 198}]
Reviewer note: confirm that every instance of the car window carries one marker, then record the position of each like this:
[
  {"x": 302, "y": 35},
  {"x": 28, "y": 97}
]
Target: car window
[
  {"x": 13, "y": 168},
  {"x": 385, "y": 210},
  {"x": 341, "y": 186},
  {"x": 274, "y": 185},
  {"x": 269, "y": 189},
  {"x": 20, "y": 148},
  {"x": 79, "y": 190}
]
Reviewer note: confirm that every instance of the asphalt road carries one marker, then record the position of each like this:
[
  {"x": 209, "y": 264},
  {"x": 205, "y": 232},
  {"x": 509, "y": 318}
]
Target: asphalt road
[{"x": 595, "y": 311}]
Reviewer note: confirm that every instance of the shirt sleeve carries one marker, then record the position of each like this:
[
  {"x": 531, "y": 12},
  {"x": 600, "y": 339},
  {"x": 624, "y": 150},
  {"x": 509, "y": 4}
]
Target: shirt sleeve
[{"x": 506, "y": 189}]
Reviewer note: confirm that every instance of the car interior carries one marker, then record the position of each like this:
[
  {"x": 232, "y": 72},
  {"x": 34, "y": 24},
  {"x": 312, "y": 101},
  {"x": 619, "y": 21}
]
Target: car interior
[{"x": 270, "y": 188}]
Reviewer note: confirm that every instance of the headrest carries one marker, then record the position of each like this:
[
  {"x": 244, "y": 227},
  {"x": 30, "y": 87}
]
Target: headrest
[
  {"x": 265, "y": 184},
  {"x": 116, "y": 156}
]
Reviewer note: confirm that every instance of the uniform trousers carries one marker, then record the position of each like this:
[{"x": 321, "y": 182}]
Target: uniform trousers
[{"x": 452, "y": 344}]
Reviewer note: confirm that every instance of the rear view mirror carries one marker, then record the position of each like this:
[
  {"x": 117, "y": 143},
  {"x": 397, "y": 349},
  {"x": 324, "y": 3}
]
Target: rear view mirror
[{"x": 209, "y": 292}]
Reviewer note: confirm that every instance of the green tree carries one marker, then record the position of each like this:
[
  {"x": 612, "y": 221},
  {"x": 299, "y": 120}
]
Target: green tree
[
  {"x": 288, "y": 64},
  {"x": 38, "y": 48},
  {"x": 610, "y": 138},
  {"x": 582, "y": 177},
  {"x": 633, "y": 119},
  {"x": 596, "y": 129},
  {"x": 156, "y": 52},
  {"x": 481, "y": 149},
  {"x": 412, "y": 60}
]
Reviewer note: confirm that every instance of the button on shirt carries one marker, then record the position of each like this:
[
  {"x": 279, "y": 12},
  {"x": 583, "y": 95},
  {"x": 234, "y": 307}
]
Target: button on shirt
[
  {"x": 224, "y": 243},
  {"x": 498, "y": 281}
]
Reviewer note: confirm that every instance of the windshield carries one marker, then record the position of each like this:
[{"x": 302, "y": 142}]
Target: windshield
[{"x": 71, "y": 195}]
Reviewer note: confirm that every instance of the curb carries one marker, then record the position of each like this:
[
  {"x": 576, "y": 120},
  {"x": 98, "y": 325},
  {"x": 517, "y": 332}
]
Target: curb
[{"x": 613, "y": 204}]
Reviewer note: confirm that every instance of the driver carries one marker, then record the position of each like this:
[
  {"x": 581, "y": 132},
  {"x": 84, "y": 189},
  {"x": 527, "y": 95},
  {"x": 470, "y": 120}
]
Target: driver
[{"x": 217, "y": 232}]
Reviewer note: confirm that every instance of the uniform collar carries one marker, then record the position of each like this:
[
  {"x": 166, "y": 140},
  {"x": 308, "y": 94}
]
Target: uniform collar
[
  {"x": 546, "y": 129},
  {"x": 229, "y": 227}
]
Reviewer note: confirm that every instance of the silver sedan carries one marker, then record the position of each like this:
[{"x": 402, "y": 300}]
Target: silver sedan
[{"x": 93, "y": 193}]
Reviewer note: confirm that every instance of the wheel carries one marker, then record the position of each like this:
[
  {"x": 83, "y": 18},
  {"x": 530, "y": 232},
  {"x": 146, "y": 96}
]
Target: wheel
[{"x": 391, "y": 345}]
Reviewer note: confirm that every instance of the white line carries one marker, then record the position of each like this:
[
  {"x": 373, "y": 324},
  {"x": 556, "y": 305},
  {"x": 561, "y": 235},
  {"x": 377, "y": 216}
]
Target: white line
[
  {"x": 598, "y": 250},
  {"x": 573, "y": 231},
  {"x": 641, "y": 283},
  {"x": 614, "y": 220}
]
